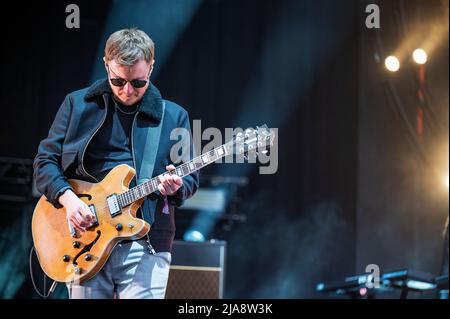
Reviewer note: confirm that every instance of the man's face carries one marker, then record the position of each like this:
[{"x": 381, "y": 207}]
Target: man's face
[{"x": 127, "y": 94}]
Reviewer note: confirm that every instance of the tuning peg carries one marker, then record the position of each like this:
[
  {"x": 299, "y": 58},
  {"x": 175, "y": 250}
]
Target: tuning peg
[{"x": 259, "y": 144}]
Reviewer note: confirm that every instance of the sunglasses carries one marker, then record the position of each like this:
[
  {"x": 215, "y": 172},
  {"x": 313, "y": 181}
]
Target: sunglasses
[{"x": 135, "y": 83}]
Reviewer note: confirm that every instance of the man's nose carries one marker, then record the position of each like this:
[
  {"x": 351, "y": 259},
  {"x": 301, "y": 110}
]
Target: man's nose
[{"x": 128, "y": 88}]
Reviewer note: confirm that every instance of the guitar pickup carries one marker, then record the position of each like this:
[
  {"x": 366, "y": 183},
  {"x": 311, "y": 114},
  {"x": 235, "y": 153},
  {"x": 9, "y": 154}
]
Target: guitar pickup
[
  {"x": 72, "y": 231},
  {"x": 93, "y": 211},
  {"x": 113, "y": 205}
]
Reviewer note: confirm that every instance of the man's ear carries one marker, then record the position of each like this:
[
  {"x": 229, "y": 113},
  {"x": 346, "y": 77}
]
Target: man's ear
[{"x": 152, "y": 64}]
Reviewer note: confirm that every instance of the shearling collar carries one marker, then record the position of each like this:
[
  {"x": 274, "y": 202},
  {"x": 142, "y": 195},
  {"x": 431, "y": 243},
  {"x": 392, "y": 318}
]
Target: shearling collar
[{"x": 151, "y": 104}]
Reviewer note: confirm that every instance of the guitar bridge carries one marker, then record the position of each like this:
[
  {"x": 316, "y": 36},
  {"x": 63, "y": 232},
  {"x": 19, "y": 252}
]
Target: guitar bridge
[{"x": 113, "y": 205}]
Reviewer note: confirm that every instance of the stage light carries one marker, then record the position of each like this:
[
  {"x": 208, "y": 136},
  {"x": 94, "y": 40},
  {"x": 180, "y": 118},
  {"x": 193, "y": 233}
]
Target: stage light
[
  {"x": 193, "y": 235},
  {"x": 362, "y": 291},
  {"x": 420, "y": 56},
  {"x": 392, "y": 63},
  {"x": 420, "y": 285}
]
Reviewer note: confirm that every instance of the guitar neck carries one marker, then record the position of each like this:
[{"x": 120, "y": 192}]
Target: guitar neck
[{"x": 151, "y": 186}]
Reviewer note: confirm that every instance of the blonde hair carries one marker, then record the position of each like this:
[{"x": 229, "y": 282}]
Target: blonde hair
[{"x": 128, "y": 46}]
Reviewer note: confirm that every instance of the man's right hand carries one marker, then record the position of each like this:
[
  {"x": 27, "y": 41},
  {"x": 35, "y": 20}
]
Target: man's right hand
[{"x": 77, "y": 212}]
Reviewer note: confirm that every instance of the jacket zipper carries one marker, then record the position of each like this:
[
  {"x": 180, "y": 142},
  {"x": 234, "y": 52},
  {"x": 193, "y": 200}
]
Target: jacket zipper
[
  {"x": 92, "y": 135},
  {"x": 150, "y": 247}
]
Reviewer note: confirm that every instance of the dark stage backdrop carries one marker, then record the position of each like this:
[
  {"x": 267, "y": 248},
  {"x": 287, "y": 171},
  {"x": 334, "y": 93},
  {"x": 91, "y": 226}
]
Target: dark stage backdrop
[{"x": 296, "y": 65}]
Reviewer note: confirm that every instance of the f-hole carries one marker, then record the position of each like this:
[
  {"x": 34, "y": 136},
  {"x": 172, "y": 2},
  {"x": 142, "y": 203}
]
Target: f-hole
[
  {"x": 86, "y": 248},
  {"x": 89, "y": 196}
]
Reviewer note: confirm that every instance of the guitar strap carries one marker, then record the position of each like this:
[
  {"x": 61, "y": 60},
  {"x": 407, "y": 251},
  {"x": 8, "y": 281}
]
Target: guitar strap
[{"x": 148, "y": 164}]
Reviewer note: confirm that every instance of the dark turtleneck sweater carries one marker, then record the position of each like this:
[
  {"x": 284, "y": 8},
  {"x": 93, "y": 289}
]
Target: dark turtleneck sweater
[{"x": 112, "y": 145}]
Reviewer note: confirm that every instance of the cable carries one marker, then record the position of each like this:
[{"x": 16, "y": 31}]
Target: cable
[{"x": 52, "y": 287}]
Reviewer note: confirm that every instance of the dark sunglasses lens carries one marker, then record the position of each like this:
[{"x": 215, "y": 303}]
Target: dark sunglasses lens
[
  {"x": 118, "y": 82},
  {"x": 138, "y": 83}
]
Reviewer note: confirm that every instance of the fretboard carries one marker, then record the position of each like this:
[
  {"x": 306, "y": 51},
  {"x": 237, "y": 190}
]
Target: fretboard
[{"x": 150, "y": 186}]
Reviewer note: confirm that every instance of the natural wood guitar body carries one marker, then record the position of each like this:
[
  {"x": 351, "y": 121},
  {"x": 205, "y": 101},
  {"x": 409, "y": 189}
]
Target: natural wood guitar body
[{"x": 65, "y": 258}]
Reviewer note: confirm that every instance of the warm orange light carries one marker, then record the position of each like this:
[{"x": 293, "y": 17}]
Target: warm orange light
[
  {"x": 392, "y": 63},
  {"x": 420, "y": 56}
]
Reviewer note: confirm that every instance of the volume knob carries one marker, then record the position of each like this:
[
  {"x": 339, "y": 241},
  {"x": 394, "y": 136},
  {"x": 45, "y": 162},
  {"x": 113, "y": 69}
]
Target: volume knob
[
  {"x": 76, "y": 244},
  {"x": 119, "y": 227},
  {"x": 66, "y": 258},
  {"x": 88, "y": 257}
]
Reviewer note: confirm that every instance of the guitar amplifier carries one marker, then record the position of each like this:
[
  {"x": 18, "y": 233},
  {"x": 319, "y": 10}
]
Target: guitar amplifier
[{"x": 197, "y": 270}]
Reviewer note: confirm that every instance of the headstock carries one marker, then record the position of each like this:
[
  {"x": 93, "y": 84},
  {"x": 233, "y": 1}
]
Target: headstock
[{"x": 253, "y": 141}]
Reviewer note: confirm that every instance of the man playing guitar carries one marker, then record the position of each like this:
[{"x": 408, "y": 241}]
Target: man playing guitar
[{"x": 110, "y": 123}]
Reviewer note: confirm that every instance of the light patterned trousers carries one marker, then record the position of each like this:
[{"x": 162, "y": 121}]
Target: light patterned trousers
[{"x": 131, "y": 272}]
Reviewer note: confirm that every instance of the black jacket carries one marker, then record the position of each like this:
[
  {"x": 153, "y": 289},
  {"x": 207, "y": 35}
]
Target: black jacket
[{"x": 60, "y": 155}]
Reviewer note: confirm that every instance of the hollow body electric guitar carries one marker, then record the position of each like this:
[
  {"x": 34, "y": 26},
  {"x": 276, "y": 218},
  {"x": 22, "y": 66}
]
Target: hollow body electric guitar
[{"x": 66, "y": 255}]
